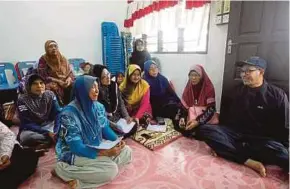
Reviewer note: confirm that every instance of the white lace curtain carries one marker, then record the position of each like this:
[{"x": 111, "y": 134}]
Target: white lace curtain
[{"x": 144, "y": 18}]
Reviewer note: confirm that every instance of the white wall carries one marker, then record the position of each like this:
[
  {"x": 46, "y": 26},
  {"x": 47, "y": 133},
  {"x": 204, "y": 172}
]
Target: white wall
[
  {"x": 76, "y": 26},
  {"x": 176, "y": 66}
]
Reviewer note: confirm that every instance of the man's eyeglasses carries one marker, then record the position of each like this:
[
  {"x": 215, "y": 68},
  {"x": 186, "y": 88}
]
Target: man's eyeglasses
[{"x": 247, "y": 71}]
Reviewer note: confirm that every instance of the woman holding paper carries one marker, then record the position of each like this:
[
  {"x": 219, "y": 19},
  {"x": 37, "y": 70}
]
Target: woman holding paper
[
  {"x": 37, "y": 110},
  {"x": 110, "y": 97},
  {"x": 84, "y": 124},
  {"x": 136, "y": 93}
]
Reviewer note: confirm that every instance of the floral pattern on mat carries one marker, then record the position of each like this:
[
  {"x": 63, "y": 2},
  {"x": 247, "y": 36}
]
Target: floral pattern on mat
[
  {"x": 155, "y": 140},
  {"x": 182, "y": 164}
]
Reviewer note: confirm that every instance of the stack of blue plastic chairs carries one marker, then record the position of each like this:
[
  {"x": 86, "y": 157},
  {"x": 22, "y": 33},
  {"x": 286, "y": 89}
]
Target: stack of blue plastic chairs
[
  {"x": 113, "y": 53},
  {"x": 127, "y": 46}
]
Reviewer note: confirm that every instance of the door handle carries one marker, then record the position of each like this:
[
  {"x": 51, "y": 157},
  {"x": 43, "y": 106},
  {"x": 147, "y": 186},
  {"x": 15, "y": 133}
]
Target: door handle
[{"x": 230, "y": 44}]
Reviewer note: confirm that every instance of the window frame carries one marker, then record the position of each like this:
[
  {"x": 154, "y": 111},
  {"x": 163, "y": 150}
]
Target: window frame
[{"x": 180, "y": 41}]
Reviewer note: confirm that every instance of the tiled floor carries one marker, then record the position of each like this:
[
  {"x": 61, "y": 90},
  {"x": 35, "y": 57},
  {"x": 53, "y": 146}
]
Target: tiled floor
[{"x": 183, "y": 164}]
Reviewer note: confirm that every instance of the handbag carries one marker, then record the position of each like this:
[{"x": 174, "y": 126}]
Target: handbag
[{"x": 195, "y": 111}]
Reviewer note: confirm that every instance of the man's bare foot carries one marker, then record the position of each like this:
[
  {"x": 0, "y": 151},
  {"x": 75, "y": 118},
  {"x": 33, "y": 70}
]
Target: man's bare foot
[
  {"x": 257, "y": 166},
  {"x": 72, "y": 183}
]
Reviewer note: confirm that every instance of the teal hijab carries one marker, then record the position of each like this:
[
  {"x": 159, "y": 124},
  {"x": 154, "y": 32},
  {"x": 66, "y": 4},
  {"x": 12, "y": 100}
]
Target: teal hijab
[{"x": 90, "y": 114}]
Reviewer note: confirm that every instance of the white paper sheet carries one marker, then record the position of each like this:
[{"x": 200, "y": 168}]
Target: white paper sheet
[
  {"x": 124, "y": 127},
  {"x": 156, "y": 128},
  {"x": 107, "y": 144}
]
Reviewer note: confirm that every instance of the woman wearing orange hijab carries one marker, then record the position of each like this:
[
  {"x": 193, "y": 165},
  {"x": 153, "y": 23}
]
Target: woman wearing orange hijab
[{"x": 56, "y": 71}]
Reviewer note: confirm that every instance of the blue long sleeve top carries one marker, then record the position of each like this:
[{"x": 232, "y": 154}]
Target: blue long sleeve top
[
  {"x": 70, "y": 142},
  {"x": 36, "y": 126}
]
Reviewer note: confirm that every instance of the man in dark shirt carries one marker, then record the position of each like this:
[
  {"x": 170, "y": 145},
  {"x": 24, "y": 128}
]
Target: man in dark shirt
[{"x": 258, "y": 126}]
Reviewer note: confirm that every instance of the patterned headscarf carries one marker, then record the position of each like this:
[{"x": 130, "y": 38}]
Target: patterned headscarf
[
  {"x": 39, "y": 106},
  {"x": 91, "y": 114},
  {"x": 58, "y": 64}
]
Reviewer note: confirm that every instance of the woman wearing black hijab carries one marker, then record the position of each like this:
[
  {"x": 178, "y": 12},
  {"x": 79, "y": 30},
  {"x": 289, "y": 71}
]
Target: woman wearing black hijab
[
  {"x": 110, "y": 97},
  {"x": 140, "y": 55}
]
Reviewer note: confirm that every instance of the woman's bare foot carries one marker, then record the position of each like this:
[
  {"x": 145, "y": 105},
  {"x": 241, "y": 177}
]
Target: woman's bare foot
[
  {"x": 257, "y": 166},
  {"x": 72, "y": 183}
]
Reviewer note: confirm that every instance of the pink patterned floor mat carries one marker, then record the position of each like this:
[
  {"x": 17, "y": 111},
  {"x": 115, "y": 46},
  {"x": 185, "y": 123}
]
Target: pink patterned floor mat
[{"x": 183, "y": 164}]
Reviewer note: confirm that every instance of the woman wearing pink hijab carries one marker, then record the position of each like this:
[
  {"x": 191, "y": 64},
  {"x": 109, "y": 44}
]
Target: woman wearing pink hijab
[{"x": 199, "y": 99}]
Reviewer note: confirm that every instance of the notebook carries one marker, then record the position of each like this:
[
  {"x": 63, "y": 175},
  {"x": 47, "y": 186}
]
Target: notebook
[
  {"x": 107, "y": 144},
  {"x": 157, "y": 128},
  {"x": 123, "y": 126}
]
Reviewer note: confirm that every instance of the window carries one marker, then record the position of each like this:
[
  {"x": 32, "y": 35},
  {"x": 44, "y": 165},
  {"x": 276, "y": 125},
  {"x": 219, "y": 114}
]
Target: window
[
  {"x": 152, "y": 40},
  {"x": 170, "y": 40},
  {"x": 195, "y": 34},
  {"x": 189, "y": 35}
]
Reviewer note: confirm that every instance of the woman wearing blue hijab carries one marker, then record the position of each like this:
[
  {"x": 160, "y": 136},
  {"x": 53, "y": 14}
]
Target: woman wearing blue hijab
[
  {"x": 164, "y": 101},
  {"x": 83, "y": 124}
]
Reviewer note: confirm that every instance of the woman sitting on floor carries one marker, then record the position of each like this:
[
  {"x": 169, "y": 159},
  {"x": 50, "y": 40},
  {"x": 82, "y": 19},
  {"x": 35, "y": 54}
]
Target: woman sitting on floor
[
  {"x": 22, "y": 83},
  {"x": 136, "y": 94},
  {"x": 83, "y": 124},
  {"x": 165, "y": 103},
  {"x": 37, "y": 109},
  {"x": 16, "y": 163},
  {"x": 199, "y": 98},
  {"x": 56, "y": 71},
  {"x": 86, "y": 67},
  {"x": 119, "y": 78},
  {"x": 111, "y": 98}
]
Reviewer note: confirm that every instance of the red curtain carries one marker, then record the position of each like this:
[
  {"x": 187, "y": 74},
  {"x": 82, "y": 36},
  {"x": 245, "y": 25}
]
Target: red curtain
[
  {"x": 189, "y": 4},
  {"x": 128, "y": 23},
  {"x": 157, "y": 6}
]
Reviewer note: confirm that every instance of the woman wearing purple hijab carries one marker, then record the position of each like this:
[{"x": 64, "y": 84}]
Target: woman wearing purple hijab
[{"x": 165, "y": 103}]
